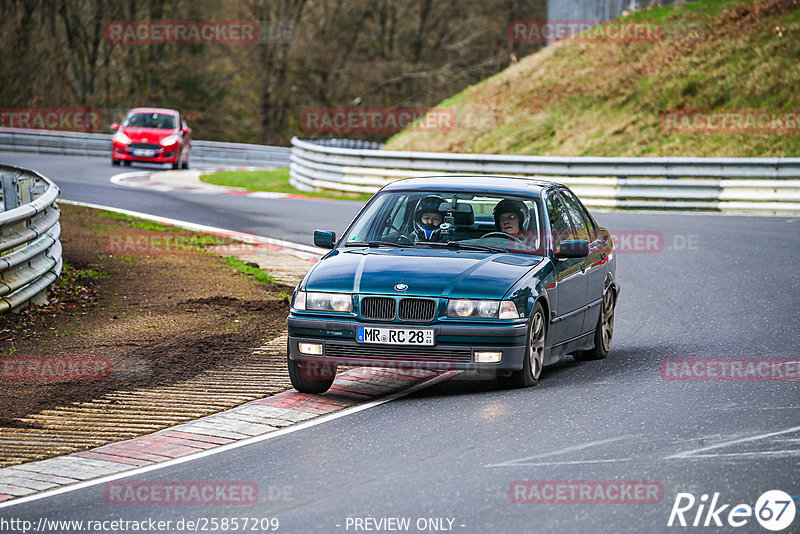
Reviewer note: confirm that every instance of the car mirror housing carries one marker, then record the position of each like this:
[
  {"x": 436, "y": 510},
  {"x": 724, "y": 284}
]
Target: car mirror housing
[
  {"x": 186, "y": 130},
  {"x": 114, "y": 125},
  {"x": 324, "y": 238},
  {"x": 573, "y": 248}
]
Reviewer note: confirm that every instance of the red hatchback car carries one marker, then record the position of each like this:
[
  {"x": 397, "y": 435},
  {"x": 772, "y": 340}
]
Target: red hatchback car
[{"x": 153, "y": 135}]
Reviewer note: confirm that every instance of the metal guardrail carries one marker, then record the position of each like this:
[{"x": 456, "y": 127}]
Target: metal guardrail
[
  {"x": 736, "y": 185},
  {"x": 94, "y": 144},
  {"x": 30, "y": 251}
]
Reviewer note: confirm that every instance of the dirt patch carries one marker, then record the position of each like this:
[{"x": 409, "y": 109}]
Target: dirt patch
[{"x": 158, "y": 314}]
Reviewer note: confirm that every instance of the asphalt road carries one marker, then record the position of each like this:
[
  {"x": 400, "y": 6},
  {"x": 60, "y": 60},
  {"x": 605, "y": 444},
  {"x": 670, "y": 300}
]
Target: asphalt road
[{"x": 716, "y": 287}]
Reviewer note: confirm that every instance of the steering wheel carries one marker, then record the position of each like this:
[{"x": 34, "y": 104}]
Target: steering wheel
[
  {"x": 405, "y": 240},
  {"x": 503, "y": 234}
]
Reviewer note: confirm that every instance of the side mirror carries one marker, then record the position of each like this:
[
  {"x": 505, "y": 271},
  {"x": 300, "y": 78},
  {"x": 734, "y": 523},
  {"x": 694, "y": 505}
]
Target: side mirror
[
  {"x": 573, "y": 248},
  {"x": 324, "y": 238},
  {"x": 114, "y": 125},
  {"x": 186, "y": 130}
]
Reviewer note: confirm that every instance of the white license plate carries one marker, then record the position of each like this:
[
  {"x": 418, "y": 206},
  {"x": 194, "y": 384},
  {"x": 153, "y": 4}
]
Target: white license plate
[
  {"x": 144, "y": 152},
  {"x": 394, "y": 336}
]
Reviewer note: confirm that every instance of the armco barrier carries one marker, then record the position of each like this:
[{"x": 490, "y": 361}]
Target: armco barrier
[
  {"x": 94, "y": 144},
  {"x": 736, "y": 185},
  {"x": 30, "y": 252}
]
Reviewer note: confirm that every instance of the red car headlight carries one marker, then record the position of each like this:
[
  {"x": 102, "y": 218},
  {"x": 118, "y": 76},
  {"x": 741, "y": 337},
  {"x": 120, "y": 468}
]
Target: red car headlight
[
  {"x": 120, "y": 137},
  {"x": 169, "y": 140}
]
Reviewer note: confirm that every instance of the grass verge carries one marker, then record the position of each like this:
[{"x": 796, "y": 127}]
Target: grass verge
[{"x": 273, "y": 181}]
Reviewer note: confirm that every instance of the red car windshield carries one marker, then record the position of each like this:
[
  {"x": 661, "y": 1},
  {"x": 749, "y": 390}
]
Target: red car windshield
[{"x": 149, "y": 120}]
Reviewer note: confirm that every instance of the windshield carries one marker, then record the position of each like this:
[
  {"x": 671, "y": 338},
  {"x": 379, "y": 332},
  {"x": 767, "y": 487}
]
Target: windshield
[
  {"x": 475, "y": 221},
  {"x": 149, "y": 120}
]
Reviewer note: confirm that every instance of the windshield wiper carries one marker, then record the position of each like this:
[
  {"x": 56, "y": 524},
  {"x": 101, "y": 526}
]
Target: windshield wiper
[
  {"x": 462, "y": 246},
  {"x": 374, "y": 244}
]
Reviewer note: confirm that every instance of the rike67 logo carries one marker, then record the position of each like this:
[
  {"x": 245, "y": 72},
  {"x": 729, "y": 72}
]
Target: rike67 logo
[{"x": 774, "y": 510}]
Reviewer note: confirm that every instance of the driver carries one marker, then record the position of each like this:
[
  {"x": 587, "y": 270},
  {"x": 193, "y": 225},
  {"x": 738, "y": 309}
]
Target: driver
[{"x": 428, "y": 218}]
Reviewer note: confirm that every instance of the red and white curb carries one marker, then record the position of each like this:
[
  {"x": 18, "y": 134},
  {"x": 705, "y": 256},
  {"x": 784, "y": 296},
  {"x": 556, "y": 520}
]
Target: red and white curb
[
  {"x": 353, "y": 391},
  {"x": 149, "y": 180},
  {"x": 305, "y": 252}
]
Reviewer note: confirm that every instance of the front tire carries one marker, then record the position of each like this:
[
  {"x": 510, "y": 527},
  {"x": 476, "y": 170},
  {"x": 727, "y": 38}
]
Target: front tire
[
  {"x": 534, "y": 351},
  {"x": 603, "y": 332},
  {"x": 115, "y": 162},
  {"x": 308, "y": 379}
]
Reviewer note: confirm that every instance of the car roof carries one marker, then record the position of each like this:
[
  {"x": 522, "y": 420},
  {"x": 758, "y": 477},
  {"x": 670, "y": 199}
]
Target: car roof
[
  {"x": 512, "y": 185},
  {"x": 152, "y": 110}
]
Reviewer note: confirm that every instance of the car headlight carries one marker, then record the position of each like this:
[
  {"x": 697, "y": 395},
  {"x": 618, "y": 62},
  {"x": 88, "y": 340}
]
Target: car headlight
[
  {"x": 483, "y": 309},
  {"x": 120, "y": 137},
  {"x": 169, "y": 140},
  {"x": 315, "y": 301}
]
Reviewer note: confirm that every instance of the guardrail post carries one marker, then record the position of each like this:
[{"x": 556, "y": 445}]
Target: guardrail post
[{"x": 10, "y": 200}]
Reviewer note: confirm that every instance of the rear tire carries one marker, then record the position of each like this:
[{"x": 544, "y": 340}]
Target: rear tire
[
  {"x": 305, "y": 380},
  {"x": 603, "y": 332},
  {"x": 185, "y": 164},
  {"x": 534, "y": 351}
]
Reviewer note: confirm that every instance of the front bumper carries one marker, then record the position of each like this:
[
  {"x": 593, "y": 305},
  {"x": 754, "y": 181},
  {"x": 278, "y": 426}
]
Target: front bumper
[
  {"x": 169, "y": 154},
  {"x": 455, "y": 346}
]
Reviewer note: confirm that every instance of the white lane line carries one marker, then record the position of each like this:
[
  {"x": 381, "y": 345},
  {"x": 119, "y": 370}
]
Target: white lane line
[
  {"x": 235, "y": 445},
  {"x": 789, "y": 452},
  {"x": 522, "y": 461},
  {"x": 688, "y": 454},
  {"x": 243, "y": 236},
  {"x": 573, "y": 462}
]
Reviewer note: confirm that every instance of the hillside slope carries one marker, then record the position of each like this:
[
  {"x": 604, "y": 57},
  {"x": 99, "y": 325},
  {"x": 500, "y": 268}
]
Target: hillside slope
[{"x": 604, "y": 98}]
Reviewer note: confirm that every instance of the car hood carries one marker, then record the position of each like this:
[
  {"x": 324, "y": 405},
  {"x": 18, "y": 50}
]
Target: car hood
[
  {"x": 148, "y": 135},
  {"x": 446, "y": 273}
]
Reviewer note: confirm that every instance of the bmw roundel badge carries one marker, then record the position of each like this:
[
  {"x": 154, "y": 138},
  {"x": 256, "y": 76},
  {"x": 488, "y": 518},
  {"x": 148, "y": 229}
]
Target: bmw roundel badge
[{"x": 401, "y": 287}]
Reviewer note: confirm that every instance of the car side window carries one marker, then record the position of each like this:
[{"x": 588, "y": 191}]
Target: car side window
[
  {"x": 590, "y": 223},
  {"x": 559, "y": 220},
  {"x": 576, "y": 215}
]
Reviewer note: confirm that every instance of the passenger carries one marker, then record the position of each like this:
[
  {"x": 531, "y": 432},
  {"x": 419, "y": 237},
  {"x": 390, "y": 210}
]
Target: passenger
[
  {"x": 428, "y": 218},
  {"x": 509, "y": 218}
]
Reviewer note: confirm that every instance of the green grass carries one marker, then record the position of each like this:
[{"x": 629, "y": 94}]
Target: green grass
[
  {"x": 247, "y": 268},
  {"x": 136, "y": 222},
  {"x": 193, "y": 241},
  {"x": 603, "y": 98},
  {"x": 274, "y": 181}
]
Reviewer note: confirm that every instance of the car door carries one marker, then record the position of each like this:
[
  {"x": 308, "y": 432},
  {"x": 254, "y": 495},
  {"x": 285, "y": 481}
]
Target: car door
[
  {"x": 593, "y": 266},
  {"x": 570, "y": 282}
]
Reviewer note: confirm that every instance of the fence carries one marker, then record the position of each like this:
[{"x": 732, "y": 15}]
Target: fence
[
  {"x": 30, "y": 252},
  {"x": 736, "y": 185},
  {"x": 93, "y": 144},
  {"x": 598, "y": 9}
]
